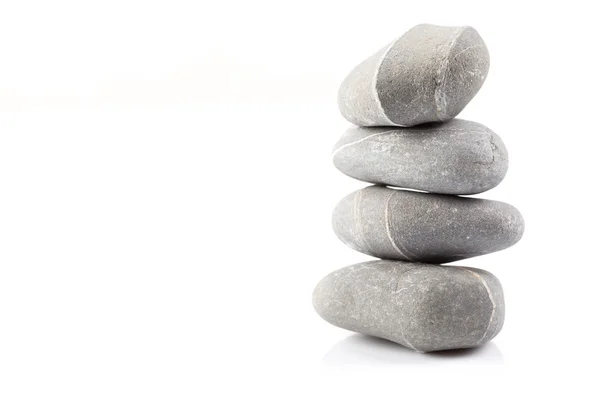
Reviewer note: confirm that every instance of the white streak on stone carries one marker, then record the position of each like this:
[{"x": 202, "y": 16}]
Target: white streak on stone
[
  {"x": 358, "y": 100},
  {"x": 409, "y": 343},
  {"x": 357, "y": 141},
  {"x": 440, "y": 92},
  {"x": 489, "y": 292},
  {"x": 468, "y": 48},
  {"x": 387, "y": 120},
  {"x": 387, "y": 228}
]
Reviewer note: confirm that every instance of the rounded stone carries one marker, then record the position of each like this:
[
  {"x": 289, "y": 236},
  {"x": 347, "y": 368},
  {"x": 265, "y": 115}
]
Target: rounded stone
[
  {"x": 421, "y": 306},
  {"x": 413, "y": 226},
  {"x": 429, "y": 74},
  {"x": 456, "y": 157}
]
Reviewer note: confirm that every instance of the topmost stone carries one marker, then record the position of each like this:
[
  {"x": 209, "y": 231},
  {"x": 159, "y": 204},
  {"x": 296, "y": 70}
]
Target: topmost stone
[{"x": 429, "y": 74}]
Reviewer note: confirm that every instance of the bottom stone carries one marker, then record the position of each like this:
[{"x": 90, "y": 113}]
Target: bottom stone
[{"x": 424, "y": 307}]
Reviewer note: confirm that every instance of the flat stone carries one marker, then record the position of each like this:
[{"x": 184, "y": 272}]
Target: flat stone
[
  {"x": 456, "y": 157},
  {"x": 413, "y": 226},
  {"x": 429, "y": 74},
  {"x": 421, "y": 306}
]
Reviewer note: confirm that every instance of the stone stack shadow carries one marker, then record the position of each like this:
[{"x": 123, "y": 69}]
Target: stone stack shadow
[{"x": 422, "y": 162}]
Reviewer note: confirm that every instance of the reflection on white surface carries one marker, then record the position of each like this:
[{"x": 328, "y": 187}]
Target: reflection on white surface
[{"x": 360, "y": 349}]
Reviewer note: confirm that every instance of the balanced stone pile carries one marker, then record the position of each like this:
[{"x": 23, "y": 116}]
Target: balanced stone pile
[{"x": 404, "y": 98}]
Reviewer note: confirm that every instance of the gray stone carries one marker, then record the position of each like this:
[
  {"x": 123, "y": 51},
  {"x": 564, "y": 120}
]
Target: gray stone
[
  {"x": 429, "y": 74},
  {"x": 456, "y": 157},
  {"x": 413, "y": 226},
  {"x": 421, "y": 306}
]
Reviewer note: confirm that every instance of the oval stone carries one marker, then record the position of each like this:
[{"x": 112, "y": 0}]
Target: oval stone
[
  {"x": 413, "y": 226},
  {"x": 421, "y": 306},
  {"x": 429, "y": 74},
  {"x": 456, "y": 157}
]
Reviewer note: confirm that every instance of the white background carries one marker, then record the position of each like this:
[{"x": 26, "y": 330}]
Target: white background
[{"x": 166, "y": 190}]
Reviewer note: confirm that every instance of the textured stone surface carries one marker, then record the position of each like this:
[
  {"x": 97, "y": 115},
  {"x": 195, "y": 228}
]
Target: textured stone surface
[
  {"x": 421, "y": 306},
  {"x": 429, "y": 74},
  {"x": 456, "y": 157},
  {"x": 413, "y": 226}
]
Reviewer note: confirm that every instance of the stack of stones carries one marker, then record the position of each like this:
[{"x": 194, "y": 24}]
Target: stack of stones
[{"x": 404, "y": 99}]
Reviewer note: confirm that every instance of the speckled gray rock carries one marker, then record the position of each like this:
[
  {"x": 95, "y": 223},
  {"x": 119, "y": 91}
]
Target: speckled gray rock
[
  {"x": 455, "y": 157},
  {"x": 421, "y": 306},
  {"x": 413, "y": 226},
  {"x": 429, "y": 74}
]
